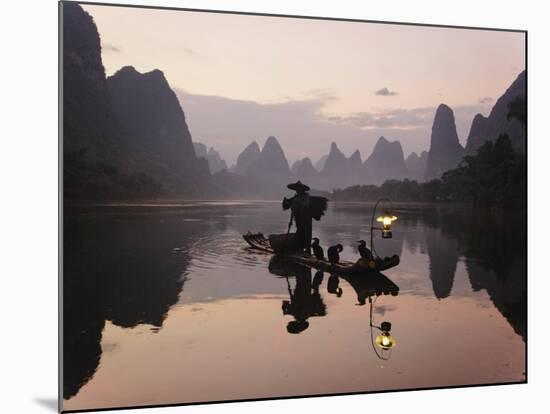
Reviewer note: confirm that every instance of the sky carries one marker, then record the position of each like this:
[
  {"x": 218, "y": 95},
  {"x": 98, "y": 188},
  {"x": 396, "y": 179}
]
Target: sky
[{"x": 308, "y": 82}]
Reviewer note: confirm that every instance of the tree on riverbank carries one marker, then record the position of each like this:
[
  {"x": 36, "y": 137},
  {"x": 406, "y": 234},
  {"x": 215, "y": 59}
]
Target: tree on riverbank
[{"x": 494, "y": 177}]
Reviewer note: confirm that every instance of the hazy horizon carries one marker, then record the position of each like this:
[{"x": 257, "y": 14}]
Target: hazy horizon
[{"x": 241, "y": 78}]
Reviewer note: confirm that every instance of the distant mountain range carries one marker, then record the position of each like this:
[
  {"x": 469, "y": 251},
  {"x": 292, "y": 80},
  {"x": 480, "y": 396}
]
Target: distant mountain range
[
  {"x": 336, "y": 170},
  {"x": 215, "y": 161},
  {"x": 445, "y": 150},
  {"x": 151, "y": 114},
  {"x": 497, "y": 123},
  {"x": 130, "y": 128},
  {"x": 386, "y": 162},
  {"x": 89, "y": 119},
  {"x": 416, "y": 165},
  {"x": 269, "y": 166},
  {"x": 125, "y": 131}
]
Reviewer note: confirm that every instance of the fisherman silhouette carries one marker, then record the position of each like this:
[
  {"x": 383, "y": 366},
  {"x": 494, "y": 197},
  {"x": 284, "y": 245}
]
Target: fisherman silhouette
[
  {"x": 304, "y": 302},
  {"x": 303, "y": 208},
  {"x": 333, "y": 253},
  {"x": 364, "y": 251},
  {"x": 317, "y": 249},
  {"x": 300, "y": 212},
  {"x": 333, "y": 285}
]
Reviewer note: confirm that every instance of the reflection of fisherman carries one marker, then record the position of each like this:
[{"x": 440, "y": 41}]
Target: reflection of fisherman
[
  {"x": 304, "y": 302},
  {"x": 301, "y": 213},
  {"x": 317, "y": 280}
]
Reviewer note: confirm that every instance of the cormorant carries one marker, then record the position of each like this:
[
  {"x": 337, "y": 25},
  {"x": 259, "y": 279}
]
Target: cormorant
[
  {"x": 364, "y": 251},
  {"x": 333, "y": 253},
  {"x": 317, "y": 249},
  {"x": 333, "y": 285}
]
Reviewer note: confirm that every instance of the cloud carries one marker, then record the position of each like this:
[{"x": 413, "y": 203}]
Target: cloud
[
  {"x": 485, "y": 100},
  {"x": 388, "y": 118},
  {"x": 322, "y": 94},
  {"x": 229, "y": 125},
  {"x": 414, "y": 122},
  {"x": 110, "y": 48},
  {"x": 302, "y": 126},
  {"x": 385, "y": 92}
]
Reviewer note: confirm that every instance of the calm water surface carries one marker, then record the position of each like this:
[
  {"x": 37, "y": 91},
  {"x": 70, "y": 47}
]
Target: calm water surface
[{"x": 164, "y": 304}]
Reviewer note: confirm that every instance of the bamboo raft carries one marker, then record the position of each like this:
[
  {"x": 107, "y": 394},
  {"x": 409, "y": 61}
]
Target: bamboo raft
[{"x": 259, "y": 242}]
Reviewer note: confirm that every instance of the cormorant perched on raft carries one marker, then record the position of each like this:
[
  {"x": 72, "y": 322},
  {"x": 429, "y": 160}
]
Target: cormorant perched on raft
[
  {"x": 317, "y": 249},
  {"x": 364, "y": 251},
  {"x": 333, "y": 253}
]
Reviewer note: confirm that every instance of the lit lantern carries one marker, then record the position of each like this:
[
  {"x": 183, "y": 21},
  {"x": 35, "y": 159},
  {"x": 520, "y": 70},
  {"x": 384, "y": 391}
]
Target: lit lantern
[
  {"x": 385, "y": 340},
  {"x": 387, "y": 219}
]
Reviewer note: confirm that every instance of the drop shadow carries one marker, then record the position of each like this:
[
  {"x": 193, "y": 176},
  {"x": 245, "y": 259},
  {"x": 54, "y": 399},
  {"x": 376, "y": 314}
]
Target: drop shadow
[{"x": 49, "y": 403}]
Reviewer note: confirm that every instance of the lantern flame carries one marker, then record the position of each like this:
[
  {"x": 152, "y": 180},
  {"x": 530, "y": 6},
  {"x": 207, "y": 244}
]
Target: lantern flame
[
  {"x": 387, "y": 219},
  {"x": 385, "y": 341}
]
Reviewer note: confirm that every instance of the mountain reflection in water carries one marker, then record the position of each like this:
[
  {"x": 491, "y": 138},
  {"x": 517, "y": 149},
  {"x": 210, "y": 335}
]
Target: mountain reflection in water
[{"x": 136, "y": 267}]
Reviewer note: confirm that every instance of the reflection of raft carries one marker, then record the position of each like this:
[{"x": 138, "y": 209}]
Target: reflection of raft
[
  {"x": 375, "y": 284},
  {"x": 258, "y": 241}
]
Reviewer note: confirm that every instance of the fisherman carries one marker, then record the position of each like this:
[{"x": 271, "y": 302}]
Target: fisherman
[
  {"x": 317, "y": 249},
  {"x": 364, "y": 251},
  {"x": 333, "y": 253},
  {"x": 301, "y": 214}
]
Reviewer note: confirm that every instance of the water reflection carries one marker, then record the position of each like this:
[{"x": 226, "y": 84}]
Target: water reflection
[
  {"x": 443, "y": 256},
  {"x": 384, "y": 342},
  {"x": 333, "y": 285},
  {"x": 491, "y": 243},
  {"x": 306, "y": 300},
  {"x": 372, "y": 284},
  {"x": 119, "y": 268},
  {"x": 129, "y": 267},
  {"x": 493, "y": 246}
]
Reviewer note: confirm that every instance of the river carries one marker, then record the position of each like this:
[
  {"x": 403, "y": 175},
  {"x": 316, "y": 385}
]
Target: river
[{"x": 164, "y": 304}]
